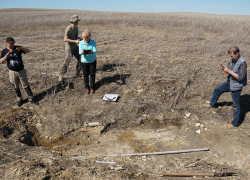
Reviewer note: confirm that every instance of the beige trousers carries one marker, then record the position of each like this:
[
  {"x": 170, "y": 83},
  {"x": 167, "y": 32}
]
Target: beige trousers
[
  {"x": 20, "y": 77},
  {"x": 68, "y": 57}
]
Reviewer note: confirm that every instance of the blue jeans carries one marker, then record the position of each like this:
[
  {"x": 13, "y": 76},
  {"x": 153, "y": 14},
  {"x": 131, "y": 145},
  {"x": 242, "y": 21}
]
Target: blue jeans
[{"x": 225, "y": 87}]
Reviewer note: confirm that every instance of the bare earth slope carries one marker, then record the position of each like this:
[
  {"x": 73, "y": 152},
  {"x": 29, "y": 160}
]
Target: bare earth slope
[{"x": 164, "y": 68}]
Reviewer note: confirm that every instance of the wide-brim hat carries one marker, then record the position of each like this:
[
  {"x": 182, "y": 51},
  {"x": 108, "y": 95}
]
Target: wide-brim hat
[
  {"x": 75, "y": 18},
  {"x": 10, "y": 40}
]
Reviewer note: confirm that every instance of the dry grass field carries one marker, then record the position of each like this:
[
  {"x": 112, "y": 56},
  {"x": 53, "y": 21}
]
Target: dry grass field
[{"x": 162, "y": 65}]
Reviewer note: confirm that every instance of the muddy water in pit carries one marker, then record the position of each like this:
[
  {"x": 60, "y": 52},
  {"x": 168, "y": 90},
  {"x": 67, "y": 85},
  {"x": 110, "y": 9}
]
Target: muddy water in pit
[{"x": 147, "y": 136}]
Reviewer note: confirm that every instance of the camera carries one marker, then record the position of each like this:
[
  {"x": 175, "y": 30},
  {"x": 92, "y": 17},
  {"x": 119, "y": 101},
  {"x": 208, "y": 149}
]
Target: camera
[{"x": 14, "y": 51}]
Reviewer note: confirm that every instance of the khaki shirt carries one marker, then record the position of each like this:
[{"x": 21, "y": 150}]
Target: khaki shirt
[{"x": 72, "y": 33}]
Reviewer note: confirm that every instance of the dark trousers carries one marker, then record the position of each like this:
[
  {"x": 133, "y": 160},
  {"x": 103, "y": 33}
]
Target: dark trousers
[
  {"x": 89, "y": 69},
  {"x": 225, "y": 87}
]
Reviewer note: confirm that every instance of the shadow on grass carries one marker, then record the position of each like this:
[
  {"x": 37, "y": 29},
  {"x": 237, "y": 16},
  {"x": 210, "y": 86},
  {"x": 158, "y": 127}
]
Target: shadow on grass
[
  {"x": 224, "y": 103},
  {"x": 116, "y": 79},
  {"x": 245, "y": 108},
  {"x": 109, "y": 67},
  {"x": 53, "y": 90}
]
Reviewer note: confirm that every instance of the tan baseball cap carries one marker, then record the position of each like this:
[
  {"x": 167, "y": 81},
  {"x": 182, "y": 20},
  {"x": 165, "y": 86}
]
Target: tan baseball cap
[{"x": 75, "y": 18}]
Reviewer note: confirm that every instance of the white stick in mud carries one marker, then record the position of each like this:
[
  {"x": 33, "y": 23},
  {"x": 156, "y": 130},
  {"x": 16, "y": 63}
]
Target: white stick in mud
[{"x": 160, "y": 153}]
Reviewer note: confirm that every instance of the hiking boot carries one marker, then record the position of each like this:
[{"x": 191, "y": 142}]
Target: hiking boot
[
  {"x": 19, "y": 103},
  {"x": 87, "y": 91},
  {"x": 229, "y": 126},
  {"x": 77, "y": 74},
  {"x": 32, "y": 101},
  {"x": 207, "y": 105},
  {"x": 92, "y": 91},
  {"x": 61, "y": 82}
]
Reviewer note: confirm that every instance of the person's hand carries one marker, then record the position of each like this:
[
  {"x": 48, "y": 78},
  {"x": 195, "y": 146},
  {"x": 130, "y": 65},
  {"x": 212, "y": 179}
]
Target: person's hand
[
  {"x": 19, "y": 48},
  {"x": 83, "y": 51},
  {"x": 10, "y": 51},
  {"x": 225, "y": 69},
  {"x": 77, "y": 41}
]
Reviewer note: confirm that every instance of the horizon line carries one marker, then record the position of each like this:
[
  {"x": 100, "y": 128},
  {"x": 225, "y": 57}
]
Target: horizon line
[{"x": 117, "y": 11}]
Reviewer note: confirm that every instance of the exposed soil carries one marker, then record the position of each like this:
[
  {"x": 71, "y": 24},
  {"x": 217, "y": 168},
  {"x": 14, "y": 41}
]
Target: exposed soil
[{"x": 161, "y": 100}]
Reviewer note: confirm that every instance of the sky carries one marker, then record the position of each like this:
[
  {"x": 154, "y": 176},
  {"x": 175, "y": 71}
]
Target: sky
[{"x": 236, "y": 7}]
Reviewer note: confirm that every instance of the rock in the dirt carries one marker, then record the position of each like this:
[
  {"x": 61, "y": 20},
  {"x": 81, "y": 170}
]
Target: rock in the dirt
[
  {"x": 92, "y": 124},
  {"x": 83, "y": 129},
  {"x": 195, "y": 118},
  {"x": 160, "y": 117},
  {"x": 188, "y": 115},
  {"x": 38, "y": 125}
]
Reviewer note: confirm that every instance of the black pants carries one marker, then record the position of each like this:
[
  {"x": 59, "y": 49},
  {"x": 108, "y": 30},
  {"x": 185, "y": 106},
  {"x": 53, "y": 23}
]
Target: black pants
[{"x": 89, "y": 69}]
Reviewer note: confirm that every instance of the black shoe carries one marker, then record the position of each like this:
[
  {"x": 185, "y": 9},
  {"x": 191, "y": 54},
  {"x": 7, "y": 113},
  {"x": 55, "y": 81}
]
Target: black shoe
[
  {"x": 77, "y": 74},
  {"x": 34, "y": 102},
  {"x": 19, "y": 103},
  {"x": 61, "y": 82}
]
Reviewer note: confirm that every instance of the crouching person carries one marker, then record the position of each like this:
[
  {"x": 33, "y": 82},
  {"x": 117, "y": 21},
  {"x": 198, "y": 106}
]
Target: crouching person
[
  {"x": 236, "y": 80},
  {"x": 17, "y": 74}
]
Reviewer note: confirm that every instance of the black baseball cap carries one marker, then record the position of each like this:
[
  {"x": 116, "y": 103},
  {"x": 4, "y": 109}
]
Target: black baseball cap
[{"x": 10, "y": 40}]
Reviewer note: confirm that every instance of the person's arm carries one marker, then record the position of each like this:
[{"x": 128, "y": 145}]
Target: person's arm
[
  {"x": 241, "y": 72},
  {"x": 2, "y": 60},
  {"x": 26, "y": 50},
  {"x": 66, "y": 39},
  {"x": 81, "y": 50},
  {"x": 94, "y": 50},
  {"x": 227, "y": 70}
]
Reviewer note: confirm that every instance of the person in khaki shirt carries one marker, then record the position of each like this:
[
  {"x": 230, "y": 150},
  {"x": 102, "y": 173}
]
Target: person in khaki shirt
[{"x": 71, "y": 47}]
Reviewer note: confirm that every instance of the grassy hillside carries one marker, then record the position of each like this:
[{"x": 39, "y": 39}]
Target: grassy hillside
[{"x": 162, "y": 66}]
